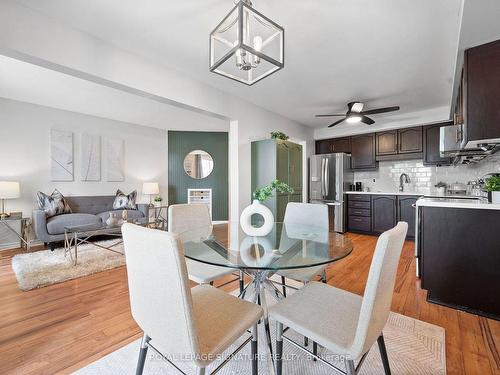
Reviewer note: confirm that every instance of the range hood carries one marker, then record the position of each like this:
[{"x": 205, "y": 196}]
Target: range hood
[{"x": 453, "y": 143}]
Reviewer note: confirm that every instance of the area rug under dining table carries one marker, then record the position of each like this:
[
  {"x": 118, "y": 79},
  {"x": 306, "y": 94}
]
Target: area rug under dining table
[{"x": 414, "y": 348}]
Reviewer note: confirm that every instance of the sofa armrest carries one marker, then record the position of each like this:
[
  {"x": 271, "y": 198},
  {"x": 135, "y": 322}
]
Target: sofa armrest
[
  {"x": 40, "y": 225},
  {"x": 144, "y": 208}
]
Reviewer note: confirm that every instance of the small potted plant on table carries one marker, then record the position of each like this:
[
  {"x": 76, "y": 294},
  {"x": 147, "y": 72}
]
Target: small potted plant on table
[{"x": 157, "y": 201}]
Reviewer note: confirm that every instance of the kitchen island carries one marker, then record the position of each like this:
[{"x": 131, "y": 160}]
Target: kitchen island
[{"x": 458, "y": 253}]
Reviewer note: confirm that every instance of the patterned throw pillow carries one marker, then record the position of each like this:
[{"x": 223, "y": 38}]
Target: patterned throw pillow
[
  {"x": 53, "y": 204},
  {"x": 125, "y": 202}
]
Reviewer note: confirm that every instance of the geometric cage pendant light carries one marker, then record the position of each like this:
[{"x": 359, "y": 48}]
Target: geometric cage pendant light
[{"x": 246, "y": 45}]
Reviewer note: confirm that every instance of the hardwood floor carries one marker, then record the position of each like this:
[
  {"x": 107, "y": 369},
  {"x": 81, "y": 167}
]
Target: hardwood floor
[{"x": 63, "y": 327}]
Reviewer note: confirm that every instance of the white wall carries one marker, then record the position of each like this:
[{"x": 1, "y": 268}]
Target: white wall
[
  {"x": 25, "y": 133},
  {"x": 25, "y": 153},
  {"x": 34, "y": 37}
]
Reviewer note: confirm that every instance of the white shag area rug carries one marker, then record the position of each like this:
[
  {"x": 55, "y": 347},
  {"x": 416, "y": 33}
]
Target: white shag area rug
[
  {"x": 42, "y": 268},
  {"x": 414, "y": 348}
]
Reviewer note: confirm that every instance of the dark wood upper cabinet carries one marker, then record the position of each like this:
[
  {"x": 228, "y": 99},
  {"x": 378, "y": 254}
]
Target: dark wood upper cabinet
[
  {"x": 363, "y": 151},
  {"x": 384, "y": 213},
  {"x": 323, "y": 146},
  {"x": 431, "y": 145},
  {"x": 342, "y": 145},
  {"x": 482, "y": 91},
  {"x": 406, "y": 212},
  {"x": 410, "y": 140},
  {"x": 387, "y": 142},
  {"x": 327, "y": 146}
]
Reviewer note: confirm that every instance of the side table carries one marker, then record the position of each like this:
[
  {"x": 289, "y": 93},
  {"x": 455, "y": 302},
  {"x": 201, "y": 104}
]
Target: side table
[
  {"x": 25, "y": 235},
  {"x": 159, "y": 217}
]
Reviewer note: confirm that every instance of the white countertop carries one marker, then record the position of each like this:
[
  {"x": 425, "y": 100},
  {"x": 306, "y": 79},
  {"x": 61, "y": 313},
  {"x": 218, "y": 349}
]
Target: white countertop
[
  {"x": 457, "y": 203},
  {"x": 385, "y": 193}
]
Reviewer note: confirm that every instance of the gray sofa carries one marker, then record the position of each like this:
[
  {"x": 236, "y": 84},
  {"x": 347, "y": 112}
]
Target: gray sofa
[{"x": 86, "y": 210}]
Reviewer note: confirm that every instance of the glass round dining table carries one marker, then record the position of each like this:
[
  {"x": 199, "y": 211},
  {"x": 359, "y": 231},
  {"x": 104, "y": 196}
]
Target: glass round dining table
[{"x": 288, "y": 246}]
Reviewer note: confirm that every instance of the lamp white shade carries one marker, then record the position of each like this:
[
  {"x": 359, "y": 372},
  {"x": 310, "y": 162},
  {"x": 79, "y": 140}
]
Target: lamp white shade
[
  {"x": 150, "y": 188},
  {"x": 9, "y": 190}
]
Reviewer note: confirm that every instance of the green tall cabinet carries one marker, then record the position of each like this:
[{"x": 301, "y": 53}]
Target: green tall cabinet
[{"x": 282, "y": 160}]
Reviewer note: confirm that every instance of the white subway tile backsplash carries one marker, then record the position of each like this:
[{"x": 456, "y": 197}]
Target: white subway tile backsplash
[{"x": 423, "y": 178}]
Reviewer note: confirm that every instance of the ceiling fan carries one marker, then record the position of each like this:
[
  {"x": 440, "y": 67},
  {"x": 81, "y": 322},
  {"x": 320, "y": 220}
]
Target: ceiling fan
[{"x": 355, "y": 114}]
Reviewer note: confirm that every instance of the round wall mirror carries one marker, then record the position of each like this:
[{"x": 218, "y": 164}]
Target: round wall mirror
[{"x": 198, "y": 164}]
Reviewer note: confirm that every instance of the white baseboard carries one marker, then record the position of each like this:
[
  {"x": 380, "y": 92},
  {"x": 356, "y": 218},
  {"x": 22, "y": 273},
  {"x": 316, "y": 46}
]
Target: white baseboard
[{"x": 220, "y": 222}]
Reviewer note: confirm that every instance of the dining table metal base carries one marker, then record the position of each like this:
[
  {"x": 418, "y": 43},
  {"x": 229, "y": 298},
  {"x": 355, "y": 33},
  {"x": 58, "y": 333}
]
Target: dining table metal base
[{"x": 255, "y": 291}]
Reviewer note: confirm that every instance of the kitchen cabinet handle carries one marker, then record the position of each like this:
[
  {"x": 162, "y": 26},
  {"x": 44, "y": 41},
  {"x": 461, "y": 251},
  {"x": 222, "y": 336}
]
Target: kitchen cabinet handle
[
  {"x": 414, "y": 205},
  {"x": 357, "y": 219}
]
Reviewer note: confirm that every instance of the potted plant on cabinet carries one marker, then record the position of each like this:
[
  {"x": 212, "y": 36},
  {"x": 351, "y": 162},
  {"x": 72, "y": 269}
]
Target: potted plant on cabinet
[
  {"x": 279, "y": 135},
  {"x": 492, "y": 186}
]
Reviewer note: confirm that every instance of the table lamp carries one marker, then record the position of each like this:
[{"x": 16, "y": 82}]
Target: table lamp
[
  {"x": 150, "y": 188},
  {"x": 8, "y": 190}
]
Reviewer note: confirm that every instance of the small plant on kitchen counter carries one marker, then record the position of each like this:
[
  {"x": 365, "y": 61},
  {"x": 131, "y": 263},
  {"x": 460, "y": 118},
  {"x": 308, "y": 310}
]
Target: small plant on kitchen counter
[
  {"x": 264, "y": 193},
  {"x": 492, "y": 184},
  {"x": 279, "y": 135},
  {"x": 158, "y": 199}
]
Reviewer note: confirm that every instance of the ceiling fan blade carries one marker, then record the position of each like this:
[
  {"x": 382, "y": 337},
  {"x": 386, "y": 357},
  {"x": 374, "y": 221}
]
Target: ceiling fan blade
[
  {"x": 337, "y": 114},
  {"x": 337, "y": 122},
  {"x": 366, "y": 120},
  {"x": 380, "y": 110}
]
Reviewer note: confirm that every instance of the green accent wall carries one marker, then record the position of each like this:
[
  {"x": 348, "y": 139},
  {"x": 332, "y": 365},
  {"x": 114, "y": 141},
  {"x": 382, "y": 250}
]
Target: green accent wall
[{"x": 216, "y": 144}]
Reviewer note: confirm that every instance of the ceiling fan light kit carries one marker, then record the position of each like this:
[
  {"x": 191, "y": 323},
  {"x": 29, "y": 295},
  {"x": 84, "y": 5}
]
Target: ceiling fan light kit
[
  {"x": 353, "y": 119},
  {"x": 246, "y": 45}
]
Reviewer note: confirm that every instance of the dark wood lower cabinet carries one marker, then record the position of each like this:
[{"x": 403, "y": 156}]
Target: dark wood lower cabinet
[
  {"x": 460, "y": 258},
  {"x": 374, "y": 213},
  {"x": 383, "y": 213},
  {"x": 360, "y": 223},
  {"x": 407, "y": 212}
]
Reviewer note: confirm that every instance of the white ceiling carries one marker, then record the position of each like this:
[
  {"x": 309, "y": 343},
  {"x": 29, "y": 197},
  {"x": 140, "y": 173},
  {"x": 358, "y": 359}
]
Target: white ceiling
[
  {"x": 33, "y": 84},
  {"x": 384, "y": 52}
]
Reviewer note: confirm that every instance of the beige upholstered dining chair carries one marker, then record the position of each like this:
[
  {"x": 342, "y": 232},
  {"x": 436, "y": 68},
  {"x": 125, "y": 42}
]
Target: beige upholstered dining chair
[
  {"x": 344, "y": 323},
  {"x": 181, "y": 324},
  {"x": 314, "y": 214},
  {"x": 184, "y": 217}
]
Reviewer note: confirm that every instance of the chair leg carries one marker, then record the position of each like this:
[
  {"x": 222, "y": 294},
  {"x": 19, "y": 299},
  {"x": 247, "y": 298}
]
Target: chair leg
[
  {"x": 242, "y": 281},
  {"x": 279, "y": 348},
  {"x": 383, "y": 354},
  {"x": 306, "y": 341},
  {"x": 254, "y": 355},
  {"x": 142, "y": 355},
  {"x": 283, "y": 285},
  {"x": 315, "y": 349},
  {"x": 324, "y": 279},
  {"x": 350, "y": 368}
]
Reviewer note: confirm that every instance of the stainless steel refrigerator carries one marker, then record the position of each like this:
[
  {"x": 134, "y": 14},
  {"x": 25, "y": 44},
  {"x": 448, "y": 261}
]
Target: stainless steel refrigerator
[{"x": 330, "y": 175}]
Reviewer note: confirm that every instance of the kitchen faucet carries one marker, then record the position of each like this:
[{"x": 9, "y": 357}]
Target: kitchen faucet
[{"x": 402, "y": 179}]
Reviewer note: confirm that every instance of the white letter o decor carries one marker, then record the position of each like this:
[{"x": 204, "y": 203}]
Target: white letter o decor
[{"x": 246, "y": 219}]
